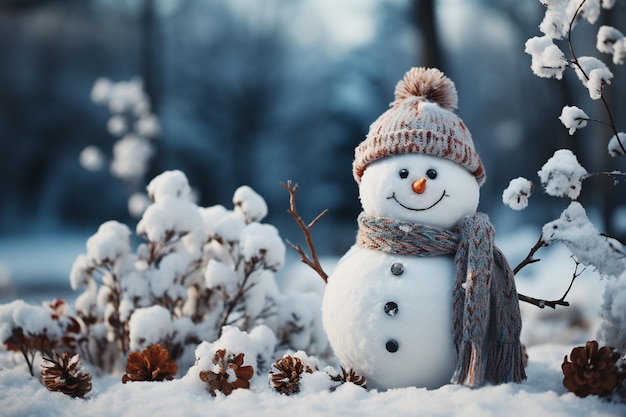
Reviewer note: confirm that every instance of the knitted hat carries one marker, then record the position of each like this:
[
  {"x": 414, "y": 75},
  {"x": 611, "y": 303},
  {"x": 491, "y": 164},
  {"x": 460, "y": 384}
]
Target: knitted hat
[{"x": 421, "y": 119}]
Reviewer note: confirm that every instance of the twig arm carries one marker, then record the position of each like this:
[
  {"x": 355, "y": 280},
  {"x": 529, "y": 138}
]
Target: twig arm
[{"x": 312, "y": 261}]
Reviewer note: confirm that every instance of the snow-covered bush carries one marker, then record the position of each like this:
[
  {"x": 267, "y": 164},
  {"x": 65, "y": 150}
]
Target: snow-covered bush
[
  {"x": 202, "y": 274},
  {"x": 562, "y": 175},
  {"x": 29, "y": 330}
]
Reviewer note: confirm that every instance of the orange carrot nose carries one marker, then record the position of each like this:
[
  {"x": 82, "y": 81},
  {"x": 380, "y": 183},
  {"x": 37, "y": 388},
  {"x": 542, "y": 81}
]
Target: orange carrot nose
[{"x": 419, "y": 186}]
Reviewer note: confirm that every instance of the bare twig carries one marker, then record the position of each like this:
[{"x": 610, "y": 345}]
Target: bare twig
[
  {"x": 312, "y": 261},
  {"x": 529, "y": 258},
  {"x": 542, "y": 303},
  {"x": 553, "y": 303},
  {"x": 527, "y": 261},
  {"x": 249, "y": 268},
  {"x": 537, "y": 301},
  {"x": 614, "y": 174}
]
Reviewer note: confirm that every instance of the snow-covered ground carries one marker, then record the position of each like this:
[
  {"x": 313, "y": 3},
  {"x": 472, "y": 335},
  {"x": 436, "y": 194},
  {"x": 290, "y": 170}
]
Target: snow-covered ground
[
  {"x": 549, "y": 335},
  {"x": 541, "y": 394}
]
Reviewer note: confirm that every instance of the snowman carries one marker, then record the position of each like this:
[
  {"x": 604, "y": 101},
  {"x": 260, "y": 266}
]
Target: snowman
[{"x": 423, "y": 298}]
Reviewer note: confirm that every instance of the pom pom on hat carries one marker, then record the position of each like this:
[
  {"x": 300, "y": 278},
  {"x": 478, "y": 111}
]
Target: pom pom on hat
[
  {"x": 421, "y": 119},
  {"x": 429, "y": 84}
]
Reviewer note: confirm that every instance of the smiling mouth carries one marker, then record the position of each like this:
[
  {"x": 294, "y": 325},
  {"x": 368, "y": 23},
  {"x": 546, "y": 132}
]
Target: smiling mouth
[{"x": 393, "y": 196}]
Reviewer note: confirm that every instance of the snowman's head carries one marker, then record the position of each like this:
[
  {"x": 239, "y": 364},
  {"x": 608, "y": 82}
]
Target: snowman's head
[
  {"x": 419, "y": 188},
  {"x": 419, "y": 137}
]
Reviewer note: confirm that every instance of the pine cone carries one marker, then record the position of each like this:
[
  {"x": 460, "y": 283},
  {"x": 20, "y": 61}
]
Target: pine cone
[
  {"x": 65, "y": 375},
  {"x": 226, "y": 366},
  {"x": 348, "y": 376},
  {"x": 592, "y": 371},
  {"x": 286, "y": 374},
  {"x": 151, "y": 364}
]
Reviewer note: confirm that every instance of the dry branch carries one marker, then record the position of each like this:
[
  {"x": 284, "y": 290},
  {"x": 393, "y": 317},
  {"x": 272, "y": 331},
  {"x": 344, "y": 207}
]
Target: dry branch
[
  {"x": 553, "y": 303},
  {"x": 529, "y": 258},
  {"x": 537, "y": 301},
  {"x": 312, "y": 261}
]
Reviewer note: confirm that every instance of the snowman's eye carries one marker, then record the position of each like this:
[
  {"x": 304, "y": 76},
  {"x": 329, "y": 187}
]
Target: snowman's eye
[
  {"x": 432, "y": 174},
  {"x": 404, "y": 173}
]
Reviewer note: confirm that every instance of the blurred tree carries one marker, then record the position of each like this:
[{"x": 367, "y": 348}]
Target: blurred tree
[
  {"x": 151, "y": 49},
  {"x": 423, "y": 13},
  {"x": 50, "y": 50}
]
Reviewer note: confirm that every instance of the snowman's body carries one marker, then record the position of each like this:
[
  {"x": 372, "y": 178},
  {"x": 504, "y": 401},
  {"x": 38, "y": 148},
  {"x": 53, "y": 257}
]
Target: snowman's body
[{"x": 389, "y": 317}]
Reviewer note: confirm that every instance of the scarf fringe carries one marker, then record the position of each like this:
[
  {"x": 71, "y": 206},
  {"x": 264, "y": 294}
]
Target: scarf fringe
[
  {"x": 505, "y": 363},
  {"x": 469, "y": 369}
]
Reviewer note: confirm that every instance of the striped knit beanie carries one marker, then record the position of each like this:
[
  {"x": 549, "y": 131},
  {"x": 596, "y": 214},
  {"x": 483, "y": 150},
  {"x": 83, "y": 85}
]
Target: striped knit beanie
[{"x": 421, "y": 119}]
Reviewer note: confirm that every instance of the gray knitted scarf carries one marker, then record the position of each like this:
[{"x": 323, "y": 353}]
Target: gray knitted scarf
[{"x": 484, "y": 298}]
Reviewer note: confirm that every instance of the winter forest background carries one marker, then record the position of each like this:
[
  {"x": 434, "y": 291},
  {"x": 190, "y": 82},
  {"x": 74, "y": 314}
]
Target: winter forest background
[{"x": 250, "y": 92}]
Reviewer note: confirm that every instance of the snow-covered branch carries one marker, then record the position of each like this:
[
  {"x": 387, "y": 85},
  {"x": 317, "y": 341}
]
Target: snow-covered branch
[
  {"x": 549, "y": 61},
  {"x": 562, "y": 175}
]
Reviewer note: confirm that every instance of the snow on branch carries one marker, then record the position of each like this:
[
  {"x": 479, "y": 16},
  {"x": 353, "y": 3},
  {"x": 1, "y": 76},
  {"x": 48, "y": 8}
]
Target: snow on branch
[
  {"x": 170, "y": 184},
  {"x": 561, "y": 175},
  {"x": 548, "y": 61},
  {"x": 615, "y": 146},
  {"x": 250, "y": 204},
  {"x": 517, "y": 193},
  {"x": 573, "y": 118},
  {"x": 263, "y": 243},
  {"x": 562, "y": 15},
  {"x": 586, "y": 243},
  {"x": 611, "y": 41},
  {"x": 593, "y": 74}
]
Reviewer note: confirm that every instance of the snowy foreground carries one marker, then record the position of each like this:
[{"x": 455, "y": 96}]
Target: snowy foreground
[
  {"x": 549, "y": 334},
  {"x": 541, "y": 394}
]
